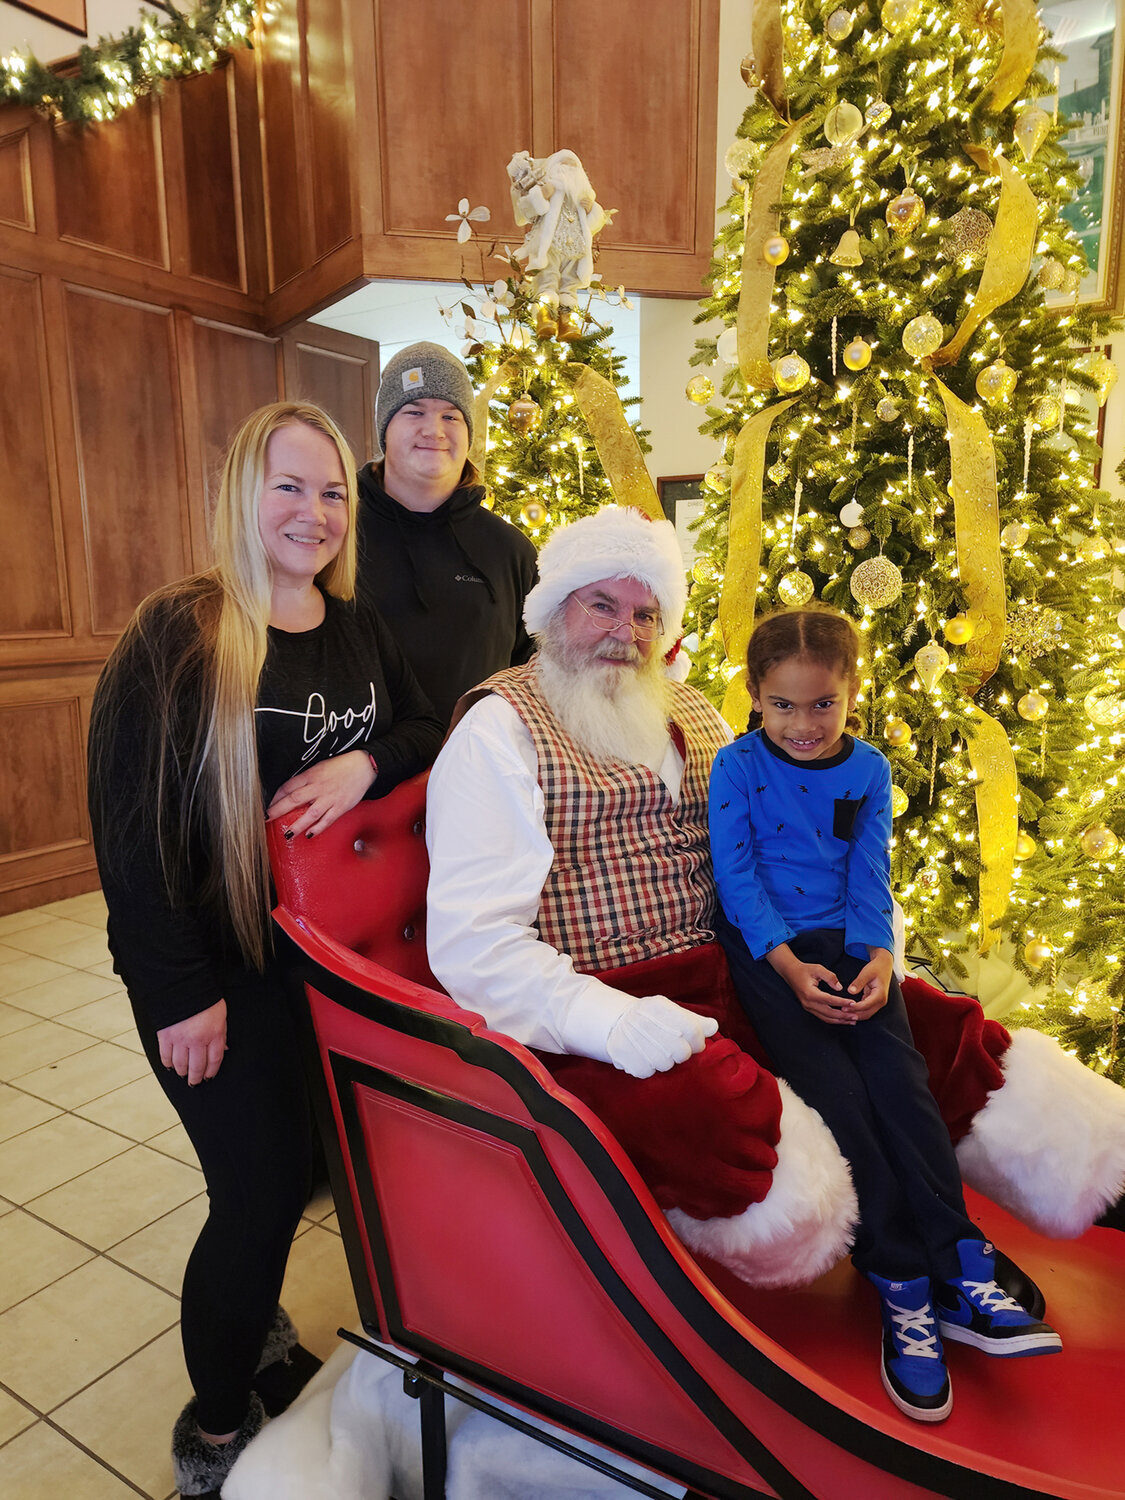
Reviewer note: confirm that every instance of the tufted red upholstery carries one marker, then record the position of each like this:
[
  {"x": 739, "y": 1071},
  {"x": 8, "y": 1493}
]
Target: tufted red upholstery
[{"x": 363, "y": 882}]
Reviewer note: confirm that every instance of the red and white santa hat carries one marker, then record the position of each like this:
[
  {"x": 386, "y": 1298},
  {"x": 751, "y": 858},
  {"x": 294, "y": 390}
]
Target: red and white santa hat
[{"x": 615, "y": 542}]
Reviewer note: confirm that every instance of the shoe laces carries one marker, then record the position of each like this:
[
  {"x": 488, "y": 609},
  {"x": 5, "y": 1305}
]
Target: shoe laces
[
  {"x": 915, "y": 1331},
  {"x": 988, "y": 1295}
]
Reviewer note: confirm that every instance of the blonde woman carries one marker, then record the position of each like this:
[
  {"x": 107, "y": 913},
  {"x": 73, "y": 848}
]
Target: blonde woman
[{"x": 254, "y": 691}]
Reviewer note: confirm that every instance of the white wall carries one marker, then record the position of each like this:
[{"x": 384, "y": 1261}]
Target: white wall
[{"x": 20, "y": 30}]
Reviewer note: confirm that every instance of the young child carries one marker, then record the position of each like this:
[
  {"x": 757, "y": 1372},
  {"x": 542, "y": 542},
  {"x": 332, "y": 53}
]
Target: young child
[{"x": 800, "y": 831}]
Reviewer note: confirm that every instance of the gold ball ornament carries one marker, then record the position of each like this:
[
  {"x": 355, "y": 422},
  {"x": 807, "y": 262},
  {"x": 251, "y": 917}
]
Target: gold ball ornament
[
  {"x": 897, "y": 732},
  {"x": 931, "y": 663},
  {"x": 1033, "y": 707},
  {"x": 1099, "y": 842},
  {"x": 1104, "y": 707},
  {"x": 839, "y": 25},
  {"x": 704, "y": 571},
  {"x": 1072, "y": 280},
  {"x": 726, "y": 346},
  {"x": 1015, "y": 534},
  {"x": 959, "y": 630},
  {"x": 717, "y": 477},
  {"x": 899, "y": 802},
  {"x": 842, "y": 124},
  {"x": 791, "y": 373},
  {"x": 795, "y": 588},
  {"x": 1036, "y": 953},
  {"x": 859, "y": 538},
  {"x": 749, "y": 71},
  {"x": 996, "y": 383},
  {"x": 534, "y": 513},
  {"x": 1051, "y": 275},
  {"x": 898, "y": 15},
  {"x": 796, "y": 35},
  {"x": 876, "y": 582},
  {"x": 1092, "y": 548},
  {"x": 922, "y": 336},
  {"x": 970, "y": 230},
  {"x": 1046, "y": 411},
  {"x": 525, "y": 414},
  {"x": 1033, "y": 125},
  {"x": 1025, "y": 846},
  {"x": 699, "y": 389},
  {"x": 741, "y": 160},
  {"x": 886, "y": 410},
  {"x": 775, "y": 250},
  {"x": 905, "y": 213},
  {"x": 857, "y": 354},
  {"x": 847, "y": 252},
  {"x": 852, "y": 514}
]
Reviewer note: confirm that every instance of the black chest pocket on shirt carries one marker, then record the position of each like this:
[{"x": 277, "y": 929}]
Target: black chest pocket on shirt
[{"x": 845, "y": 812}]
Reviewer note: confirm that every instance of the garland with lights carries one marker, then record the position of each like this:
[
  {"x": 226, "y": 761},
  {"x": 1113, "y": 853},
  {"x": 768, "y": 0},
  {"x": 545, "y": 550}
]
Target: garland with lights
[
  {"x": 541, "y": 465},
  {"x": 104, "y": 80},
  {"x": 901, "y": 436}
]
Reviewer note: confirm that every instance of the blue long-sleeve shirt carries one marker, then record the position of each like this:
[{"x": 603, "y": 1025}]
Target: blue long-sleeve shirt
[{"x": 800, "y": 845}]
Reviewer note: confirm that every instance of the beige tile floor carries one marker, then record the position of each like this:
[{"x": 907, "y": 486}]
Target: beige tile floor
[{"x": 100, "y": 1200}]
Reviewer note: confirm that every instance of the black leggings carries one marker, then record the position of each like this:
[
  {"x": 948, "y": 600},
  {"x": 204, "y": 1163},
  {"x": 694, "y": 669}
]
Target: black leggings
[
  {"x": 870, "y": 1085},
  {"x": 252, "y": 1131}
]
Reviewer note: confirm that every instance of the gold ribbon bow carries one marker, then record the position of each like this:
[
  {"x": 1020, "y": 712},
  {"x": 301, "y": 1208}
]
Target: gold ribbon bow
[
  {"x": 769, "y": 58},
  {"x": 757, "y": 274},
  {"x": 1020, "y": 22},
  {"x": 615, "y": 441},
  {"x": 503, "y": 375}
]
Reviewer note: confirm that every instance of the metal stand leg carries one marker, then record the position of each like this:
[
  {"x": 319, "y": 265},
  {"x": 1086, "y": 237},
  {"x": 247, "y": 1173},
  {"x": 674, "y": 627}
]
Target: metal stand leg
[{"x": 431, "y": 1401}]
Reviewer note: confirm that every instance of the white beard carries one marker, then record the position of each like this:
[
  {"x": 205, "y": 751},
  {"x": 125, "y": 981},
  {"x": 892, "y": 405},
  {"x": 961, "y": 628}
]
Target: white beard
[{"x": 614, "y": 712}]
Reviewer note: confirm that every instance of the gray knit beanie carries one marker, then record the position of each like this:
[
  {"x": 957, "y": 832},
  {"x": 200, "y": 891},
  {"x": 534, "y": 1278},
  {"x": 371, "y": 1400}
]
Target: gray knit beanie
[{"x": 418, "y": 372}]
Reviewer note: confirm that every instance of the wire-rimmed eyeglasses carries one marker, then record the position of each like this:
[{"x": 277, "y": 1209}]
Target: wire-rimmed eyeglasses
[{"x": 643, "y": 630}]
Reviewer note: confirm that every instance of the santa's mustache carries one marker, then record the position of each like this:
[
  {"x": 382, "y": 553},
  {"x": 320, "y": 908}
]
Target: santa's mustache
[{"x": 617, "y": 651}]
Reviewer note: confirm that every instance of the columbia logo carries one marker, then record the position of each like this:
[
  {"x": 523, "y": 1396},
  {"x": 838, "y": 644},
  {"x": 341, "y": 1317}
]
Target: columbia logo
[{"x": 466, "y": 578}]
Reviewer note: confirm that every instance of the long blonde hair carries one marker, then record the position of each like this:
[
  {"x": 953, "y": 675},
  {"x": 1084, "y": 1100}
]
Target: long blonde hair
[{"x": 206, "y": 638}]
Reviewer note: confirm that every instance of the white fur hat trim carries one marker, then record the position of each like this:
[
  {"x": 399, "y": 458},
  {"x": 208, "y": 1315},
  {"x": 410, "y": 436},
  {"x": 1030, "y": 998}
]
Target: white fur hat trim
[
  {"x": 1049, "y": 1146},
  {"x": 803, "y": 1225},
  {"x": 615, "y": 542}
]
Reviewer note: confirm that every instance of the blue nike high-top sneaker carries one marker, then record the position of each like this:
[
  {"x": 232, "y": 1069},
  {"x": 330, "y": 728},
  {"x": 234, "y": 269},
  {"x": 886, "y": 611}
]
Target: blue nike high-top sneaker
[
  {"x": 973, "y": 1309},
  {"x": 914, "y": 1373}
]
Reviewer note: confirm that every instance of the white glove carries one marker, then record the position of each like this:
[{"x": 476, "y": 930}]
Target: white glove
[{"x": 654, "y": 1034}]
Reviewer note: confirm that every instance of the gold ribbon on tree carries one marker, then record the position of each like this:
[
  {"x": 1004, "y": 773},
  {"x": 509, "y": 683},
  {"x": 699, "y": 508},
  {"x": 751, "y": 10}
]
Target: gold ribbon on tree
[
  {"x": 1019, "y": 21},
  {"x": 744, "y": 554},
  {"x": 615, "y": 441},
  {"x": 976, "y": 516},
  {"x": 754, "y": 299},
  {"x": 1009, "y": 251},
  {"x": 767, "y": 41},
  {"x": 503, "y": 375}
]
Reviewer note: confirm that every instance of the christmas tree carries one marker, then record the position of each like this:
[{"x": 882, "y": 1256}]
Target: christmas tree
[
  {"x": 554, "y": 416},
  {"x": 904, "y": 435}
]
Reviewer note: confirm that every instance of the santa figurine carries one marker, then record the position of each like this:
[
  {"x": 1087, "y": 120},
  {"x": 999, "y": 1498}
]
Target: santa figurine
[{"x": 553, "y": 196}]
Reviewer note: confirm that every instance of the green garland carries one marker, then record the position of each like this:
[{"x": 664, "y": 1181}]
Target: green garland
[{"x": 110, "y": 77}]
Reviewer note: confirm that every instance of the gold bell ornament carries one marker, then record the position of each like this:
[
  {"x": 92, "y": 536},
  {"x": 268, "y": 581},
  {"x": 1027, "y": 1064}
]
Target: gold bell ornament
[
  {"x": 931, "y": 662},
  {"x": 839, "y": 25},
  {"x": 842, "y": 124},
  {"x": 534, "y": 513},
  {"x": 1036, "y": 953},
  {"x": 959, "y": 630},
  {"x": 898, "y": 15},
  {"x": 876, "y": 582},
  {"x": 1099, "y": 842},
  {"x": 1025, "y": 846},
  {"x": 857, "y": 354},
  {"x": 775, "y": 250},
  {"x": 996, "y": 383},
  {"x": 1033, "y": 125},
  {"x": 699, "y": 389},
  {"x": 897, "y": 732},
  {"x": 524, "y": 414},
  {"x": 1033, "y": 707},
  {"x": 847, "y": 252},
  {"x": 905, "y": 213},
  {"x": 922, "y": 336},
  {"x": 791, "y": 373}
]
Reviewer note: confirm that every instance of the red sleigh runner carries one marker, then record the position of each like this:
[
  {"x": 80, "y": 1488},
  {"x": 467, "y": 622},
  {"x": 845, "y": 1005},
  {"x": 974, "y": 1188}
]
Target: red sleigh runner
[{"x": 496, "y": 1232}]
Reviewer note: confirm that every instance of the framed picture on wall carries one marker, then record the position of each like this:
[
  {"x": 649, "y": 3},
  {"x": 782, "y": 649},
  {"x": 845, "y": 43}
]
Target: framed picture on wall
[
  {"x": 1090, "y": 94},
  {"x": 681, "y": 496},
  {"x": 69, "y": 14}
]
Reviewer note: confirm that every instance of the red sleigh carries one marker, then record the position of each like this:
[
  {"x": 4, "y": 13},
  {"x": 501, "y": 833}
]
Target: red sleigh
[{"x": 496, "y": 1232}]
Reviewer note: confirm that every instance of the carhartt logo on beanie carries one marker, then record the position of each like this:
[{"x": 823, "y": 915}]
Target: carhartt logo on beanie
[{"x": 422, "y": 371}]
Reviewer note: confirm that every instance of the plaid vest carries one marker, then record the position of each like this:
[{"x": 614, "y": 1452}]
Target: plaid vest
[{"x": 632, "y": 876}]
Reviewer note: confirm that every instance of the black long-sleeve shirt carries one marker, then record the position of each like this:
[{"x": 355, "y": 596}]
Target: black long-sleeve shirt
[
  {"x": 342, "y": 686},
  {"x": 450, "y": 583}
]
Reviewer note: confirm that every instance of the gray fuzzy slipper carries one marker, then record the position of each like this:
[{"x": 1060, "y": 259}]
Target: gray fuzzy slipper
[{"x": 201, "y": 1467}]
